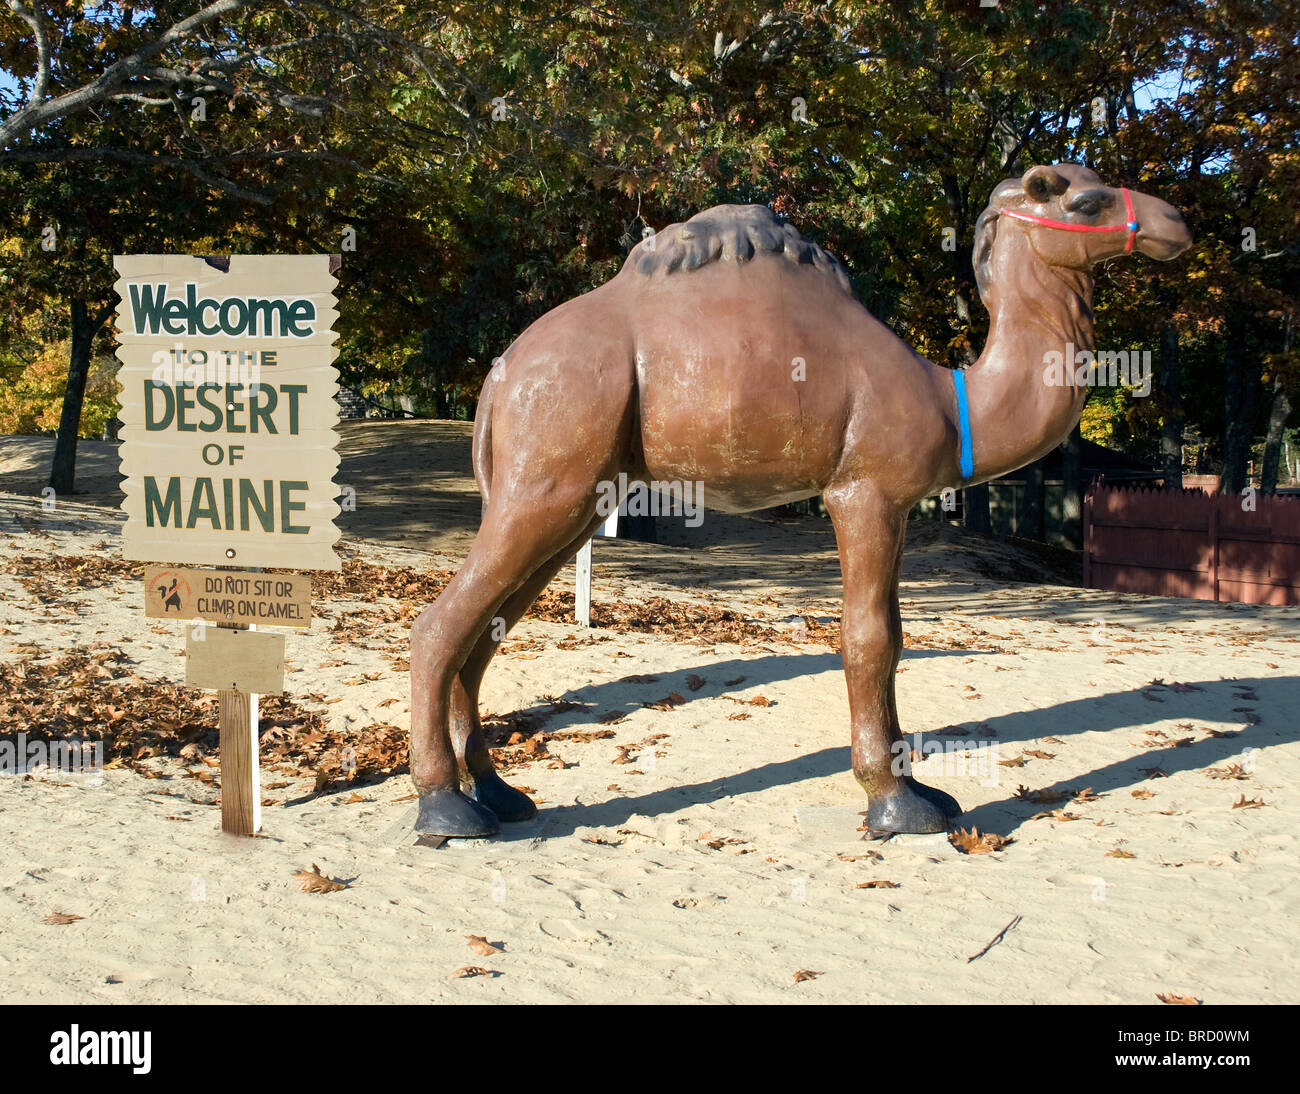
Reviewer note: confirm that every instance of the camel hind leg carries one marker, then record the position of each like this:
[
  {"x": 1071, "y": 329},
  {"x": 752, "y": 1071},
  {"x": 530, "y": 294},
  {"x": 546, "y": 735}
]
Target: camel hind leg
[
  {"x": 548, "y": 462},
  {"x": 512, "y": 545},
  {"x": 478, "y": 776}
]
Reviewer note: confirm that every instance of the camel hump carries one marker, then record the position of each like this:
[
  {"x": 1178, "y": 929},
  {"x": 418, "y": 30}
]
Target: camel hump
[{"x": 732, "y": 233}]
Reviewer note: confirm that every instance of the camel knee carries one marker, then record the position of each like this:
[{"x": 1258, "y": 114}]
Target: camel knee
[
  {"x": 424, "y": 628},
  {"x": 866, "y": 647}
]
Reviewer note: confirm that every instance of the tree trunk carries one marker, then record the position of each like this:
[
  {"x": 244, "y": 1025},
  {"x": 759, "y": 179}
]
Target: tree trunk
[
  {"x": 963, "y": 272},
  {"x": 1273, "y": 439},
  {"x": 1072, "y": 491},
  {"x": 64, "y": 466},
  {"x": 1171, "y": 399},
  {"x": 975, "y": 508},
  {"x": 1240, "y": 404},
  {"x": 1278, "y": 414},
  {"x": 433, "y": 368},
  {"x": 1032, "y": 523}
]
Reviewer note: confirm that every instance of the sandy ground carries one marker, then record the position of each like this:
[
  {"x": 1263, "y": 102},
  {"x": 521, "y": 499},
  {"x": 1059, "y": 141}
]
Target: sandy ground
[{"x": 725, "y": 856}]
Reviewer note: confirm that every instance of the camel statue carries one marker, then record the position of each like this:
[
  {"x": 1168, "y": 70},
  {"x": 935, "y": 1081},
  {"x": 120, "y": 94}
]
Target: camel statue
[{"x": 731, "y": 351}]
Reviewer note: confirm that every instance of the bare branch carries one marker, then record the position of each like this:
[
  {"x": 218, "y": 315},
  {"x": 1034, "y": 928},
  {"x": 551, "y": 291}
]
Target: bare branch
[
  {"x": 123, "y": 155},
  {"x": 33, "y": 18},
  {"x": 39, "y": 112}
]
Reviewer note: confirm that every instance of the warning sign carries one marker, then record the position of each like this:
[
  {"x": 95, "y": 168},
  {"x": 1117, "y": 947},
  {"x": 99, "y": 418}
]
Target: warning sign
[{"x": 268, "y": 600}]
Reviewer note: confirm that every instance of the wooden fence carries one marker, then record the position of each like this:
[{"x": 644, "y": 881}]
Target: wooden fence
[{"x": 1191, "y": 543}]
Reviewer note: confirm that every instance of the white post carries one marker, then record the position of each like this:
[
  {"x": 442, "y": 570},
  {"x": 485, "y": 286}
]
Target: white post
[
  {"x": 582, "y": 586},
  {"x": 582, "y": 579}
]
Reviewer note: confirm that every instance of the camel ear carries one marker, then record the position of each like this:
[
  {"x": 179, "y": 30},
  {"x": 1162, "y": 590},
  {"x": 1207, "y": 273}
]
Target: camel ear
[
  {"x": 1042, "y": 183},
  {"x": 986, "y": 232}
]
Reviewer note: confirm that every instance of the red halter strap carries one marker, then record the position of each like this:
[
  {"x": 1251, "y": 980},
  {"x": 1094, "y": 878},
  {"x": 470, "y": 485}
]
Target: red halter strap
[{"x": 1131, "y": 226}]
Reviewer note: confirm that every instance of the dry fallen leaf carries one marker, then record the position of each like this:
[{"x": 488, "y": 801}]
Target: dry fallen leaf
[
  {"x": 971, "y": 842},
  {"x": 466, "y": 971},
  {"x": 1142, "y": 794},
  {"x": 695, "y": 682},
  {"x": 1178, "y": 1000},
  {"x": 61, "y": 918},
  {"x": 1248, "y": 803},
  {"x": 1040, "y": 797},
  {"x": 481, "y": 946},
  {"x": 316, "y": 882},
  {"x": 877, "y": 884},
  {"x": 805, "y": 974},
  {"x": 1055, "y": 814},
  {"x": 1119, "y": 852}
]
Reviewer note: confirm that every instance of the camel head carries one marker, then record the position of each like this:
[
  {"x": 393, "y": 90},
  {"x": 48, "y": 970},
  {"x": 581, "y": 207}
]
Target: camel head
[{"x": 1073, "y": 220}]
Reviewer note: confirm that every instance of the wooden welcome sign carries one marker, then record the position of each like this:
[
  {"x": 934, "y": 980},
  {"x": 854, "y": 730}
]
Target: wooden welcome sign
[
  {"x": 228, "y": 413},
  {"x": 229, "y": 449}
]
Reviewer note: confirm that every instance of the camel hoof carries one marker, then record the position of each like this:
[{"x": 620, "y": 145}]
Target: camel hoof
[
  {"x": 507, "y": 803},
  {"x": 909, "y": 809},
  {"x": 946, "y": 802},
  {"x": 450, "y": 813}
]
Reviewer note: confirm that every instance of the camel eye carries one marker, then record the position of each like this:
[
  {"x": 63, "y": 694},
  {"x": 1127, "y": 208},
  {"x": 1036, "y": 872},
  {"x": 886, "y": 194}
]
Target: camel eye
[{"x": 1087, "y": 204}]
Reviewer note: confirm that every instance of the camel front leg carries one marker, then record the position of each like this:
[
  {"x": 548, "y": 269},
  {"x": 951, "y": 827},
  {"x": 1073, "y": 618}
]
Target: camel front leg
[{"x": 869, "y": 531}]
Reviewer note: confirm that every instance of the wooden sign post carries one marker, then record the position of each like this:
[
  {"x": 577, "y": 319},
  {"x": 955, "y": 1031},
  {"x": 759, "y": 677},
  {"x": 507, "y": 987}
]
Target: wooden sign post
[
  {"x": 241, "y": 784},
  {"x": 229, "y": 452}
]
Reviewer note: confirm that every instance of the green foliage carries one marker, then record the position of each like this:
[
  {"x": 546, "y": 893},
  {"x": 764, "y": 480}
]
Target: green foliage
[{"x": 878, "y": 128}]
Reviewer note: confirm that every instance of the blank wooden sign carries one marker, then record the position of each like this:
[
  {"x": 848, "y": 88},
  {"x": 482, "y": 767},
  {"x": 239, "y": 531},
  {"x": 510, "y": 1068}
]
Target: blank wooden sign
[{"x": 234, "y": 660}]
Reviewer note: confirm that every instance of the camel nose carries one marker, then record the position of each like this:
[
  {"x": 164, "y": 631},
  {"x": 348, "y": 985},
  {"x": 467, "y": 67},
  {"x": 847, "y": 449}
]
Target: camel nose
[{"x": 1164, "y": 233}]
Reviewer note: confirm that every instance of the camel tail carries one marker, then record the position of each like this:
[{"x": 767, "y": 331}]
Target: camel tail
[{"x": 482, "y": 451}]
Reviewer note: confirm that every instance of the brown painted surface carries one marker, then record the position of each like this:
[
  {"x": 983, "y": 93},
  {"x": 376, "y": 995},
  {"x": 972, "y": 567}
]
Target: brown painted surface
[
  {"x": 731, "y": 351},
  {"x": 1194, "y": 544}
]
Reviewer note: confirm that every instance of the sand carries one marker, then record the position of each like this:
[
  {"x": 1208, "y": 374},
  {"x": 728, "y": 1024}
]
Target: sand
[{"x": 725, "y": 857}]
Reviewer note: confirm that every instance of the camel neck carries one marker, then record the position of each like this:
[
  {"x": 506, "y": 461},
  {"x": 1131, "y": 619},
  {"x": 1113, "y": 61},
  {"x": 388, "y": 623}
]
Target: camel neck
[{"x": 1016, "y": 415}]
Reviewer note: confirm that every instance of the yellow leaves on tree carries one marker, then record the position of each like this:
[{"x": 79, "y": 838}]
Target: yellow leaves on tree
[{"x": 31, "y": 395}]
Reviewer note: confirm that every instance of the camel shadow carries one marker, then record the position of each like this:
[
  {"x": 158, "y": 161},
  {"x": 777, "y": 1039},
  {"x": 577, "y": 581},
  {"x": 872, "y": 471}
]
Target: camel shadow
[
  {"x": 630, "y": 693},
  {"x": 1148, "y": 766},
  {"x": 563, "y": 820},
  {"x": 1209, "y": 700}
]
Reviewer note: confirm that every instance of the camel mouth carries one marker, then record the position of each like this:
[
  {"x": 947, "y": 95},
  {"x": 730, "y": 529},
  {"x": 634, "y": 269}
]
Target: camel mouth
[{"x": 1166, "y": 238}]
